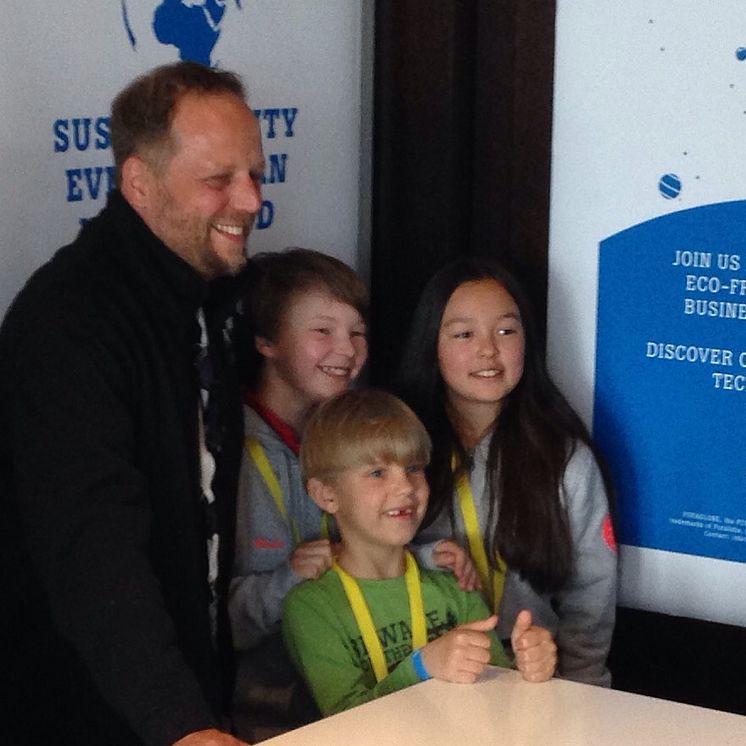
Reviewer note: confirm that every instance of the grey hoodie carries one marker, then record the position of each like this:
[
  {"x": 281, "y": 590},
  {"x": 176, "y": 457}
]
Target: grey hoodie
[
  {"x": 262, "y": 575},
  {"x": 581, "y": 616}
]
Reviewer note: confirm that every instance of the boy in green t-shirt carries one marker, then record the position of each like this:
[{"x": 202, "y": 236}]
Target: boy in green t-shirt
[{"x": 375, "y": 622}]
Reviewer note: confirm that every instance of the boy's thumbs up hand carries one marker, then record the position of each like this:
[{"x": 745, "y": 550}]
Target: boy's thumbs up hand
[
  {"x": 481, "y": 625},
  {"x": 522, "y": 624},
  {"x": 534, "y": 648},
  {"x": 461, "y": 654}
]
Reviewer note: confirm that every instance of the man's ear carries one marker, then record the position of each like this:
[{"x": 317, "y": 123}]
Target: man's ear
[
  {"x": 136, "y": 182},
  {"x": 264, "y": 346},
  {"x": 323, "y": 494}
]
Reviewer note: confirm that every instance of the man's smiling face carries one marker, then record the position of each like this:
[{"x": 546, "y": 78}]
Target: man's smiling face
[{"x": 205, "y": 194}]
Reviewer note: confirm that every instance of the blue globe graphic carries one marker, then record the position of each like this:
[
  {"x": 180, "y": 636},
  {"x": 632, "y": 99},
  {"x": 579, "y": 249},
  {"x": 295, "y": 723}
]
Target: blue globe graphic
[
  {"x": 741, "y": 54},
  {"x": 669, "y": 185},
  {"x": 191, "y": 26}
]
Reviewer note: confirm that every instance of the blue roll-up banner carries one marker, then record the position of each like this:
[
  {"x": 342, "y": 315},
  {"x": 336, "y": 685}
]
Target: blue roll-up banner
[
  {"x": 670, "y": 393},
  {"x": 647, "y": 284}
]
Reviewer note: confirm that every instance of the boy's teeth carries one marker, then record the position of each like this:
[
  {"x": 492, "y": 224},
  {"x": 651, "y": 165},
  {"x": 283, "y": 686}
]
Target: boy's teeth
[
  {"x": 334, "y": 371},
  {"x": 486, "y": 373},
  {"x": 395, "y": 513}
]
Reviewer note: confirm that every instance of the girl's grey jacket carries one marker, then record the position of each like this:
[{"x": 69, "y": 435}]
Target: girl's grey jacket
[{"x": 580, "y": 616}]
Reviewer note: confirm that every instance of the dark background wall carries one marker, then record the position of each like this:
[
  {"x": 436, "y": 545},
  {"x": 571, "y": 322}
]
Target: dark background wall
[
  {"x": 462, "y": 138},
  {"x": 463, "y": 94}
]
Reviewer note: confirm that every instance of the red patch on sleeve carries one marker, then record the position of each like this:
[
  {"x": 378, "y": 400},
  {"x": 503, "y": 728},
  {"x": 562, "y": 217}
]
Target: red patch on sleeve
[
  {"x": 607, "y": 531},
  {"x": 269, "y": 543}
]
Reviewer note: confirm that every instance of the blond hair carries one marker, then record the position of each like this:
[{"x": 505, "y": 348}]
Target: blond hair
[{"x": 361, "y": 427}]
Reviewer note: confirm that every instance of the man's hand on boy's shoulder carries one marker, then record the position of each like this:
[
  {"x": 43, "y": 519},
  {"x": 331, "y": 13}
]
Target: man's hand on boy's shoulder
[
  {"x": 312, "y": 559},
  {"x": 450, "y": 555},
  {"x": 535, "y": 650},
  {"x": 462, "y": 653}
]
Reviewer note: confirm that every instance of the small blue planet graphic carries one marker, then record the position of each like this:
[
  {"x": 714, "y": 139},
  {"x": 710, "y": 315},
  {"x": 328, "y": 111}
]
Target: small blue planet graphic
[
  {"x": 741, "y": 54},
  {"x": 669, "y": 185}
]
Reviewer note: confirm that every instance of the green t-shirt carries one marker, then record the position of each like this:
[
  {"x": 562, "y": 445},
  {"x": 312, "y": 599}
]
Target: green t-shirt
[{"x": 325, "y": 644}]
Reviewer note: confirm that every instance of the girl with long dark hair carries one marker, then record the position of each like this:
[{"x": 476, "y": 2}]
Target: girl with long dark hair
[{"x": 514, "y": 475}]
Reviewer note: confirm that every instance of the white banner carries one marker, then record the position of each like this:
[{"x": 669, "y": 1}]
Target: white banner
[
  {"x": 62, "y": 63},
  {"x": 647, "y": 285}
]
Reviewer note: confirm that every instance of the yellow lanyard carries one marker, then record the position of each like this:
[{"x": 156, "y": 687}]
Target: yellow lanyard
[
  {"x": 493, "y": 581},
  {"x": 364, "y": 620},
  {"x": 259, "y": 457}
]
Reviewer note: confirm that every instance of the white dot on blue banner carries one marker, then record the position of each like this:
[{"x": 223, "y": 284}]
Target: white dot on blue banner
[{"x": 669, "y": 185}]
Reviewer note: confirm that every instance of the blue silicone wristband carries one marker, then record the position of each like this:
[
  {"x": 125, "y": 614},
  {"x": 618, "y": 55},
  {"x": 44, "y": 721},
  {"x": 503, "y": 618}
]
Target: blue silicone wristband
[{"x": 419, "y": 666}]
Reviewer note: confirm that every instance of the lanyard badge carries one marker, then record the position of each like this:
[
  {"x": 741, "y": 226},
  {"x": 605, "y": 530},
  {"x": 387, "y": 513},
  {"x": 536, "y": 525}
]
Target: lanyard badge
[
  {"x": 364, "y": 620},
  {"x": 493, "y": 580},
  {"x": 259, "y": 457}
]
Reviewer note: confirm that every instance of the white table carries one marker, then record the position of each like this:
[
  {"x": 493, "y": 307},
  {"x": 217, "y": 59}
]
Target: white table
[{"x": 501, "y": 708}]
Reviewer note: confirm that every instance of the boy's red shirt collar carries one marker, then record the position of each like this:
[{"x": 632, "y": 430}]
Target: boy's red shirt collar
[{"x": 288, "y": 436}]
